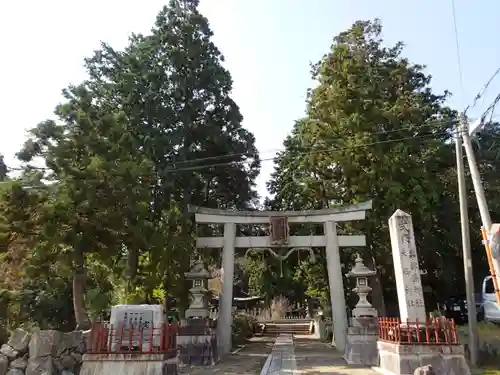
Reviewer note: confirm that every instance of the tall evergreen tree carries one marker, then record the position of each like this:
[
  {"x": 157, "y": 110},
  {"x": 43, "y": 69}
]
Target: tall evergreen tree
[
  {"x": 151, "y": 131},
  {"x": 374, "y": 130}
]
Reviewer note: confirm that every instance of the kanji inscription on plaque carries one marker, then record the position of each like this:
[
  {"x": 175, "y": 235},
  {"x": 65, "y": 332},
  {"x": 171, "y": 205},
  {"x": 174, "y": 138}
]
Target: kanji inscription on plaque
[{"x": 279, "y": 230}]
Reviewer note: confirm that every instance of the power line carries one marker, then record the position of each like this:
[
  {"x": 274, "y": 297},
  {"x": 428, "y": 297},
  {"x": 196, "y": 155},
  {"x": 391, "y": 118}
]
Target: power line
[
  {"x": 457, "y": 43},
  {"x": 485, "y": 87},
  {"x": 491, "y": 109},
  {"x": 428, "y": 123},
  {"x": 310, "y": 152}
]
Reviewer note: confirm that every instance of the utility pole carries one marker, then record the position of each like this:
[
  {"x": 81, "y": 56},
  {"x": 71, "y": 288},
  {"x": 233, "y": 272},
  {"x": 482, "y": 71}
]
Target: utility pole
[
  {"x": 478, "y": 189},
  {"x": 466, "y": 248}
]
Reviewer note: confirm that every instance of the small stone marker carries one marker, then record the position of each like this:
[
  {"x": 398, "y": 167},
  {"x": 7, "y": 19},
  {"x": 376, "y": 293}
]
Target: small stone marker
[
  {"x": 144, "y": 318},
  {"x": 406, "y": 268}
]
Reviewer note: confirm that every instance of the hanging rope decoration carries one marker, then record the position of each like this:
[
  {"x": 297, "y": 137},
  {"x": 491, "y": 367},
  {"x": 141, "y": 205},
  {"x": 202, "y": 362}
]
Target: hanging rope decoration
[
  {"x": 279, "y": 232},
  {"x": 282, "y": 258}
]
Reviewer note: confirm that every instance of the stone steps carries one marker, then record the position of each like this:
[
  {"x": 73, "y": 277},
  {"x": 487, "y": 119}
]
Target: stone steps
[{"x": 274, "y": 329}]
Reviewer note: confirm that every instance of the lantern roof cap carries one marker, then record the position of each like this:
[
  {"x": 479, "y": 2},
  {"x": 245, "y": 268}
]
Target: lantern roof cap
[
  {"x": 359, "y": 269},
  {"x": 198, "y": 271}
]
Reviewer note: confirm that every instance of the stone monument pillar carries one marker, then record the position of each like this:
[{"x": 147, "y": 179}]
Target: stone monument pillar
[
  {"x": 406, "y": 269},
  {"x": 197, "y": 340},
  {"x": 407, "y": 344},
  {"x": 362, "y": 333}
]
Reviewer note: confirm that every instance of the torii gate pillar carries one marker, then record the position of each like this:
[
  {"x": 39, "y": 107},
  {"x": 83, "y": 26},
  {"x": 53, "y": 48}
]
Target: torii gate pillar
[
  {"x": 224, "y": 329},
  {"x": 337, "y": 296}
]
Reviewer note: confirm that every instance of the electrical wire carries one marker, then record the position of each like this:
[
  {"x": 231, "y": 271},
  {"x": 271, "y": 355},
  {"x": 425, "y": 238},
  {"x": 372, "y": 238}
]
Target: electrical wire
[
  {"x": 251, "y": 160},
  {"x": 485, "y": 87},
  {"x": 490, "y": 109},
  {"x": 457, "y": 44},
  {"x": 427, "y": 123},
  {"x": 311, "y": 152}
]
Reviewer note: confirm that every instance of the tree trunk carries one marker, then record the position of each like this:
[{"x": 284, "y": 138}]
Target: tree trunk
[
  {"x": 81, "y": 318},
  {"x": 377, "y": 292},
  {"x": 132, "y": 265},
  {"x": 166, "y": 301}
]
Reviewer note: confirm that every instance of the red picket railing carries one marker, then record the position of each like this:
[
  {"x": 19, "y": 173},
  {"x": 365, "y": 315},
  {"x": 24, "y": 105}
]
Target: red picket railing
[
  {"x": 107, "y": 338},
  {"x": 433, "y": 331}
]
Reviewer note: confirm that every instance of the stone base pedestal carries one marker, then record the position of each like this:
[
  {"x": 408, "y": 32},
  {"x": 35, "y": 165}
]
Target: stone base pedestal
[
  {"x": 197, "y": 343},
  {"x": 198, "y": 350},
  {"x": 361, "y": 346},
  {"x": 362, "y": 337},
  {"x": 405, "y": 359},
  {"x": 319, "y": 329},
  {"x": 129, "y": 364}
]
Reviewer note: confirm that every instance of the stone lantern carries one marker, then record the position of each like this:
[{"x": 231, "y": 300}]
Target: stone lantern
[
  {"x": 362, "y": 333},
  {"x": 199, "y": 276},
  {"x": 363, "y": 308},
  {"x": 196, "y": 340}
]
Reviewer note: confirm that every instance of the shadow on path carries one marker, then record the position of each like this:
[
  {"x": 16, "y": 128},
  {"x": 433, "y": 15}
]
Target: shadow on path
[
  {"x": 319, "y": 358},
  {"x": 247, "y": 361}
]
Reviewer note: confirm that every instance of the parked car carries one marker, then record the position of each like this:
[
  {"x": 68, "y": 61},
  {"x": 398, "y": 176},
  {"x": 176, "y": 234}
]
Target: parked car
[
  {"x": 491, "y": 308},
  {"x": 456, "y": 308}
]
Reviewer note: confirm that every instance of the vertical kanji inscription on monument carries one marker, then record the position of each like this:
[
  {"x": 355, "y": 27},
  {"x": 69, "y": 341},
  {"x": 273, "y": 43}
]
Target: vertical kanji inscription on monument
[{"x": 406, "y": 268}]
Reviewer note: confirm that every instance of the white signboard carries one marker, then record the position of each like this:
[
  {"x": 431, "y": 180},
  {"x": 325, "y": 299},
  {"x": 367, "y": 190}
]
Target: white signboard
[
  {"x": 406, "y": 268},
  {"x": 142, "y": 319}
]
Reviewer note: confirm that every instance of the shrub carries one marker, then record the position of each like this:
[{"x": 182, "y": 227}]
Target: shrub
[
  {"x": 243, "y": 327},
  {"x": 279, "y": 307}
]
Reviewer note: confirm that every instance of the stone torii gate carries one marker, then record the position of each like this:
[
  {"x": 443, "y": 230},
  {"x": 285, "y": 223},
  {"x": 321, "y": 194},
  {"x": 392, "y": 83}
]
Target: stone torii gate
[{"x": 279, "y": 238}]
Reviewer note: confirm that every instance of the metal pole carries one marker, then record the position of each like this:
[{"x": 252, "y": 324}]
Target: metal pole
[
  {"x": 476, "y": 178},
  {"x": 464, "y": 222},
  {"x": 478, "y": 189}
]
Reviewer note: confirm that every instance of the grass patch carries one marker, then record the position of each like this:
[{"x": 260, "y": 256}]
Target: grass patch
[
  {"x": 485, "y": 371},
  {"x": 489, "y": 334},
  {"x": 486, "y": 331}
]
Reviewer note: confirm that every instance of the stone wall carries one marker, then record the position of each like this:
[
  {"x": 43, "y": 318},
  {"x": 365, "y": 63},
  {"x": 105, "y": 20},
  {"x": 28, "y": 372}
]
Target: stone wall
[
  {"x": 488, "y": 342},
  {"x": 43, "y": 353},
  {"x": 488, "y": 350}
]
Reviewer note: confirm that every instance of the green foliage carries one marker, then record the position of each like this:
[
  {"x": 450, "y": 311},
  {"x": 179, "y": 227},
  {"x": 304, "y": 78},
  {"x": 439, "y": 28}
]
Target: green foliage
[
  {"x": 243, "y": 327},
  {"x": 375, "y": 130},
  {"x": 152, "y": 130},
  {"x": 317, "y": 286}
]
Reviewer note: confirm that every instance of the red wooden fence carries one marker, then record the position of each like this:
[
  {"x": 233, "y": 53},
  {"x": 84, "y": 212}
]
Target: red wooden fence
[
  {"x": 433, "y": 331},
  {"x": 106, "y": 338}
]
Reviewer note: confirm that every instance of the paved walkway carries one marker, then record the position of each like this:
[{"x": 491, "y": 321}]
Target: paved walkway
[
  {"x": 248, "y": 361},
  {"x": 318, "y": 358},
  {"x": 312, "y": 356}
]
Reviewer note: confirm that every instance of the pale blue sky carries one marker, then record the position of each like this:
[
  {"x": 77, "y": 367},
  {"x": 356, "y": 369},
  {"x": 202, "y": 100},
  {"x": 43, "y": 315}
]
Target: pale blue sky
[{"x": 268, "y": 46}]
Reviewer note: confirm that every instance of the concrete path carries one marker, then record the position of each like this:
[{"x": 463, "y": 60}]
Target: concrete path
[
  {"x": 318, "y": 358},
  {"x": 248, "y": 361},
  {"x": 312, "y": 357}
]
